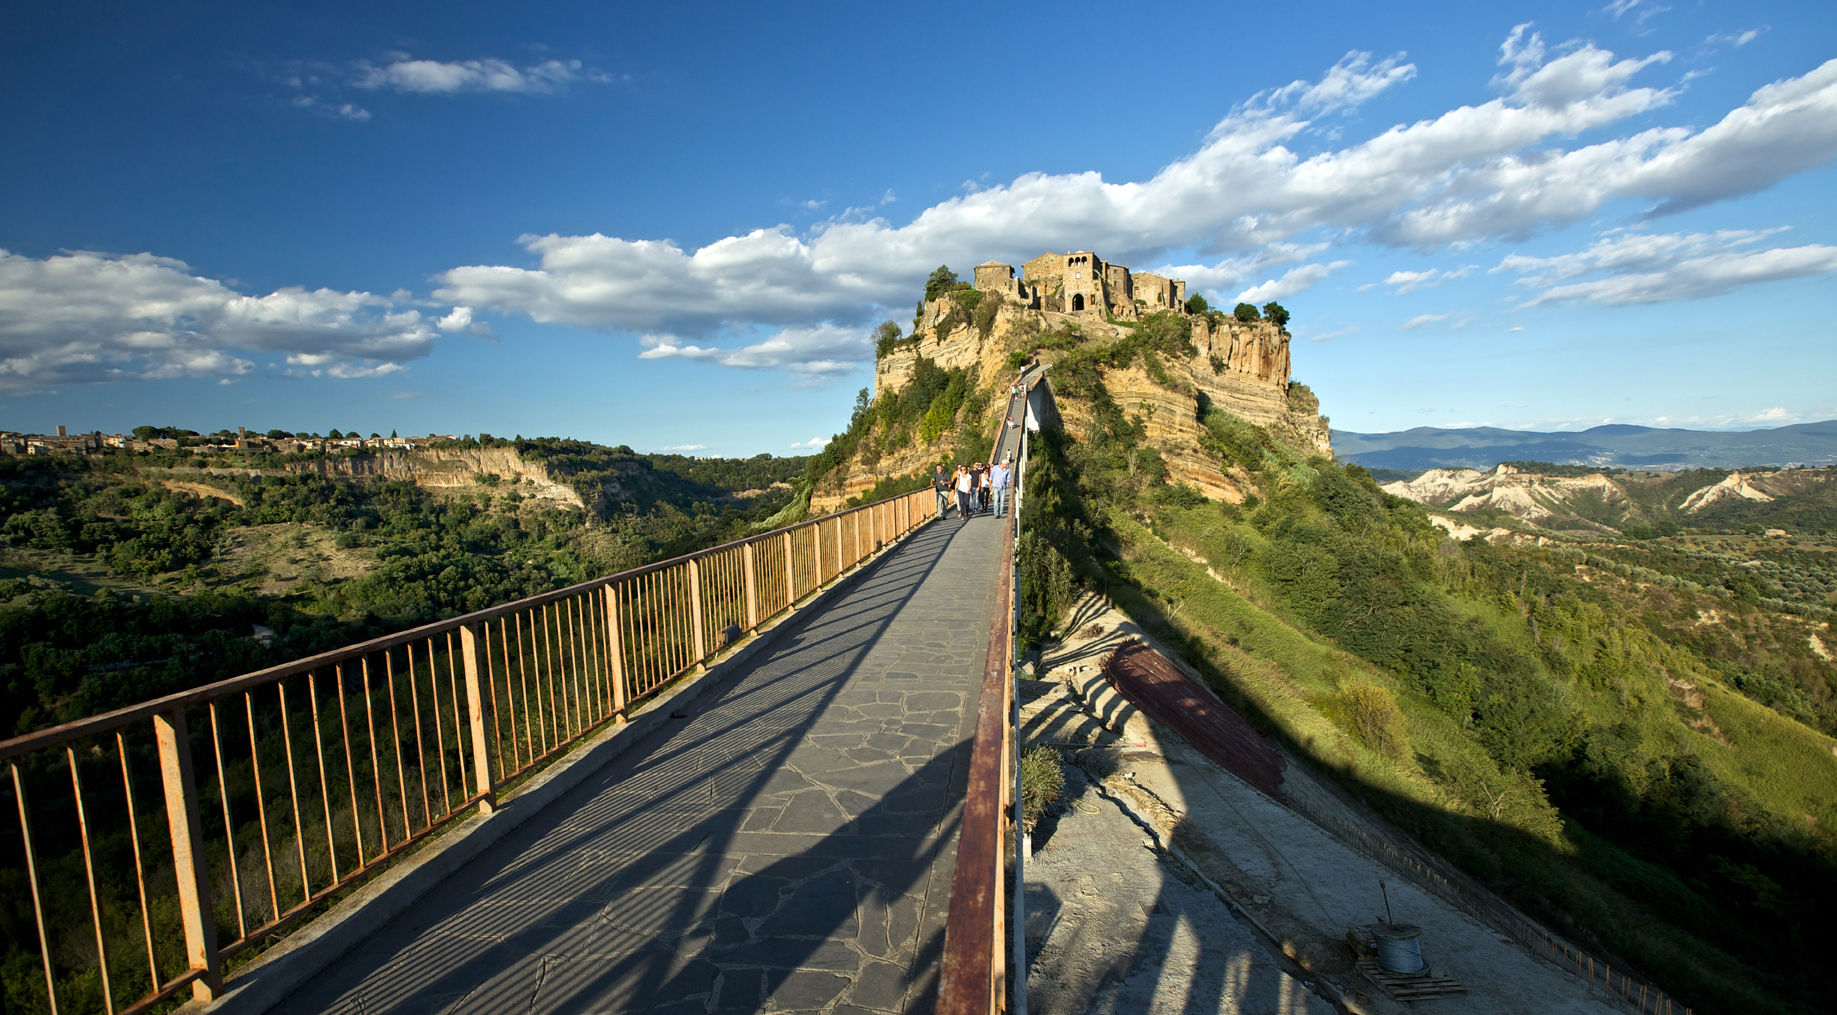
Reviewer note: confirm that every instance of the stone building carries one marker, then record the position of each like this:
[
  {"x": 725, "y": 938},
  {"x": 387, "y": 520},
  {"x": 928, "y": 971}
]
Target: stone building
[{"x": 1080, "y": 282}]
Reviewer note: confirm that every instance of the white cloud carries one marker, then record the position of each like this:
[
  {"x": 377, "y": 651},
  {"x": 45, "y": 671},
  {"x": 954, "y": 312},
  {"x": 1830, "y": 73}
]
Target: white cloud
[
  {"x": 1421, "y": 320},
  {"x": 404, "y": 73},
  {"x": 1641, "y": 10},
  {"x": 1328, "y": 336},
  {"x": 84, "y": 317},
  {"x": 1250, "y": 198},
  {"x": 1698, "y": 277},
  {"x": 1735, "y": 39},
  {"x": 1662, "y": 267},
  {"x": 813, "y": 444},
  {"x": 682, "y": 449},
  {"x": 819, "y": 351},
  {"x": 1295, "y": 280},
  {"x": 1410, "y": 281}
]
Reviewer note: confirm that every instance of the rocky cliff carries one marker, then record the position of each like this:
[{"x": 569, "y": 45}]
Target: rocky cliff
[
  {"x": 451, "y": 469},
  {"x": 1240, "y": 368}
]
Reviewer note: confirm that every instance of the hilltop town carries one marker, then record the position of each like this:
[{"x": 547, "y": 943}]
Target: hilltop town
[
  {"x": 1056, "y": 304},
  {"x": 168, "y": 439}
]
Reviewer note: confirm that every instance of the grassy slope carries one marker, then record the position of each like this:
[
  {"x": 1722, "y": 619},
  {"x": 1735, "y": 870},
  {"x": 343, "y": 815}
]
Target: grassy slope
[{"x": 1639, "y": 723}]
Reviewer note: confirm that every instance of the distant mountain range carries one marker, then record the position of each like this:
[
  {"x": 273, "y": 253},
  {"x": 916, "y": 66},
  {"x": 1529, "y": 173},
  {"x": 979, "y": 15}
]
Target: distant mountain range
[{"x": 1622, "y": 445}]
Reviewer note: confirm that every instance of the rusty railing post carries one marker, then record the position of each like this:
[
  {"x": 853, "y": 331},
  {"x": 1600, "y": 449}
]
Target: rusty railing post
[
  {"x": 752, "y": 587},
  {"x": 615, "y": 646},
  {"x": 482, "y": 784},
  {"x": 816, "y": 553},
  {"x": 188, "y": 863},
  {"x": 790, "y": 577},
  {"x": 695, "y": 613}
]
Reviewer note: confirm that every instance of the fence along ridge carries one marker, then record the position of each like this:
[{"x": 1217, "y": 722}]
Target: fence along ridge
[{"x": 292, "y": 782}]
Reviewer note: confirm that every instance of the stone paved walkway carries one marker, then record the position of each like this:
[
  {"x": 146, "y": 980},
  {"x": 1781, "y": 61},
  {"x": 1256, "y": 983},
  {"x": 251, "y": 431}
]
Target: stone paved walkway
[{"x": 788, "y": 847}]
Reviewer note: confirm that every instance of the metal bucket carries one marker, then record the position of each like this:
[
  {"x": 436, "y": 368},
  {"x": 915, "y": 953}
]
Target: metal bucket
[{"x": 1400, "y": 948}]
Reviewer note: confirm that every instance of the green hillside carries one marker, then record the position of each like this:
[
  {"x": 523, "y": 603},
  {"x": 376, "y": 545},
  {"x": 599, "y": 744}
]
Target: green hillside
[
  {"x": 177, "y": 559},
  {"x": 1611, "y": 736}
]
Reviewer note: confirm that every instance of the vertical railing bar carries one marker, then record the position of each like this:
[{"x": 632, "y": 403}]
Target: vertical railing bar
[
  {"x": 350, "y": 768},
  {"x": 510, "y": 696},
  {"x": 140, "y": 872},
  {"x": 326, "y": 786},
  {"x": 89, "y": 875},
  {"x": 475, "y": 664},
  {"x": 395, "y": 742},
  {"x": 293, "y": 793},
  {"x": 580, "y": 683},
  {"x": 596, "y": 627},
  {"x": 191, "y": 875},
  {"x": 557, "y": 661},
  {"x": 592, "y": 605},
  {"x": 615, "y": 651},
  {"x": 545, "y": 714},
  {"x": 414, "y": 704},
  {"x": 459, "y": 726},
  {"x": 433, "y": 691},
  {"x": 749, "y": 561},
  {"x": 38, "y": 907},
  {"x": 498, "y": 713},
  {"x": 644, "y": 632},
  {"x": 376, "y": 763},
  {"x": 545, "y": 664},
  {"x": 697, "y": 641},
  {"x": 261, "y": 804},
  {"x": 229, "y": 826},
  {"x": 529, "y": 734}
]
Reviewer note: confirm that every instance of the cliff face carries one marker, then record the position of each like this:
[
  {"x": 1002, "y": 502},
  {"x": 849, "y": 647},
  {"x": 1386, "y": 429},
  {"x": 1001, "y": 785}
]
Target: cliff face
[
  {"x": 451, "y": 469},
  {"x": 1240, "y": 368},
  {"x": 1171, "y": 414}
]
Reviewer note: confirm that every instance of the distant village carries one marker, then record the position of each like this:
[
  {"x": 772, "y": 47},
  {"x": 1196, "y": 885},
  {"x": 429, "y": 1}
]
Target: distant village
[{"x": 63, "y": 442}]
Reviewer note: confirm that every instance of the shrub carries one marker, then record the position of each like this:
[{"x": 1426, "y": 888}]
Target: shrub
[
  {"x": 983, "y": 315},
  {"x": 1042, "y": 781},
  {"x": 1247, "y": 313},
  {"x": 1372, "y": 713}
]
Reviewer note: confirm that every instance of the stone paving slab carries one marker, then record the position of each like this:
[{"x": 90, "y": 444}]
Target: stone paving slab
[{"x": 788, "y": 847}]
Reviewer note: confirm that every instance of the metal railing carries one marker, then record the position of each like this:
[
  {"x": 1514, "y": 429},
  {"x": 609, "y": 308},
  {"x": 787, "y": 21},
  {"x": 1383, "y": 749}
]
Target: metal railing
[
  {"x": 974, "y": 977},
  {"x": 209, "y": 822}
]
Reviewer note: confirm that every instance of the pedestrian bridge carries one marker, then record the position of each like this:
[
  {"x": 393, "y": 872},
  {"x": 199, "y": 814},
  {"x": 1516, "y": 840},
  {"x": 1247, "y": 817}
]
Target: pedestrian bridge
[{"x": 773, "y": 775}]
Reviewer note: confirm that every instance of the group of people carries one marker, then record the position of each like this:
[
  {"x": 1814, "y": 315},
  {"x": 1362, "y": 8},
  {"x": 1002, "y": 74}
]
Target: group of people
[{"x": 977, "y": 487}]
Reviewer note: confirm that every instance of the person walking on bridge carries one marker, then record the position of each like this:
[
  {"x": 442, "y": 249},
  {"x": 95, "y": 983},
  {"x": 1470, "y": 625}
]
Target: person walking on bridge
[
  {"x": 963, "y": 492},
  {"x": 940, "y": 484},
  {"x": 1000, "y": 478}
]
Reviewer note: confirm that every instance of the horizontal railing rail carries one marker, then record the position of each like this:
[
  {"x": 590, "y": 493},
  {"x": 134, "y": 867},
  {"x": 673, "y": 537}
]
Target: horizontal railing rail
[
  {"x": 974, "y": 973},
  {"x": 154, "y": 843}
]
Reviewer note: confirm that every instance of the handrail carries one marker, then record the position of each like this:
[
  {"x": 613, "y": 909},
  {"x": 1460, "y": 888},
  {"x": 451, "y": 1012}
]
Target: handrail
[
  {"x": 974, "y": 974},
  {"x": 285, "y": 785}
]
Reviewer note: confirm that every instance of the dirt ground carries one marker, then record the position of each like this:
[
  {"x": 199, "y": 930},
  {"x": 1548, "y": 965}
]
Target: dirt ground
[{"x": 1166, "y": 884}]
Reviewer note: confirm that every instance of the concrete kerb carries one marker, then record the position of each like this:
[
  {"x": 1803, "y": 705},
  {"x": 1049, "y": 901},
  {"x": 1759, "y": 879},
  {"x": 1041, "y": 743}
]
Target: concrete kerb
[{"x": 269, "y": 979}]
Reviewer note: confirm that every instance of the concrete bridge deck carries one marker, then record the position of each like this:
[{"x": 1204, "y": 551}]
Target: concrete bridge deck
[{"x": 786, "y": 845}]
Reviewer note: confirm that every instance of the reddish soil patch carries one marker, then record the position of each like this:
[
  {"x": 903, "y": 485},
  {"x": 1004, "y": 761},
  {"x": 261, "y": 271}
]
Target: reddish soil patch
[{"x": 1175, "y": 700}]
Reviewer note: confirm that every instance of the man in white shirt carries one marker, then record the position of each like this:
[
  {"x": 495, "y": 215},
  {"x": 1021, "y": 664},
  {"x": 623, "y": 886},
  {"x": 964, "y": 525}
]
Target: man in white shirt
[{"x": 1001, "y": 477}]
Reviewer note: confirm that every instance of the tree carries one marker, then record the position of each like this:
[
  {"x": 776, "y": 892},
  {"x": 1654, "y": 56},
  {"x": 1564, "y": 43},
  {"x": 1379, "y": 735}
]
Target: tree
[
  {"x": 942, "y": 280},
  {"x": 1247, "y": 313},
  {"x": 278, "y": 435},
  {"x": 1275, "y": 312},
  {"x": 885, "y": 337},
  {"x": 335, "y": 434},
  {"x": 1196, "y": 304}
]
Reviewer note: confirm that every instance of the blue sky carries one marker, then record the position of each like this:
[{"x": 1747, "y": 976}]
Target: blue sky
[{"x": 673, "y": 226}]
